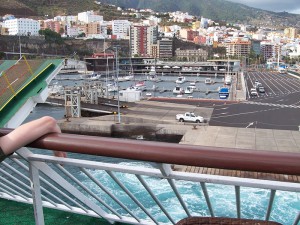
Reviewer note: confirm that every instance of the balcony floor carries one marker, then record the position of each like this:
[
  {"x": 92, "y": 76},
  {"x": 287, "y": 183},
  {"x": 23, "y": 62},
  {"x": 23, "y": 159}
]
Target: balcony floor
[{"x": 13, "y": 213}]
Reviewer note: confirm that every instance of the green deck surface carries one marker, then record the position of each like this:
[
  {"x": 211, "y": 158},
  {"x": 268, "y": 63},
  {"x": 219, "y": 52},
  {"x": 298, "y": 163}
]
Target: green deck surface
[{"x": 15, "y": 213}]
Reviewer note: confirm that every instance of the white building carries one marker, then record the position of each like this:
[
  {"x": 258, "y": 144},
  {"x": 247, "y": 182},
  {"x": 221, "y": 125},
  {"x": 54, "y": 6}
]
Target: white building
[
  {"x": 130, "y": 95},
  {"x": 72, "y": 31},
  {"x": 68, "y": 20},
  {"x": 89, "y": 16},
  {"x": 120, "y": 28},
  {"x": 23, "y": 26}
]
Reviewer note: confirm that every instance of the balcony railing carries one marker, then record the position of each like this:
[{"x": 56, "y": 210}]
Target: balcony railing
[{"x": 132, "y": 181}]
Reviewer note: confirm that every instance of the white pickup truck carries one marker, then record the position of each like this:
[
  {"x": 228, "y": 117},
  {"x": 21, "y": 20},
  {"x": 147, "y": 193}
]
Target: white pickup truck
[{"x": 189, "y": 117}]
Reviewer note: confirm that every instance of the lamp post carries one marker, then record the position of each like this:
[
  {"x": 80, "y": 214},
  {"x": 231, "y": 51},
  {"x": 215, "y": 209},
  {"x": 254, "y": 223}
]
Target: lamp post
[{"x": 117, "y": 75}]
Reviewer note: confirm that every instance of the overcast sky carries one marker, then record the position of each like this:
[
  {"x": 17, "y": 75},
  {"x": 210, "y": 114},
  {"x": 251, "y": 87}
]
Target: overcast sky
[{"x": 291, "y": 6}]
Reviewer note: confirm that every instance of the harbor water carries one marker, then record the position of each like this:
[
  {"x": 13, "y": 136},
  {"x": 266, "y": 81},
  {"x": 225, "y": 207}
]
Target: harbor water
[{"x": 160, "y": 86}]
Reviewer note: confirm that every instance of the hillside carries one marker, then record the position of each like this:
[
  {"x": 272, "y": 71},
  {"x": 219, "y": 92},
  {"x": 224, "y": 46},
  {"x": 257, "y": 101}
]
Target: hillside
[
  {"x": 38, "y": 9},
  {"x": 218, "y": 10}
]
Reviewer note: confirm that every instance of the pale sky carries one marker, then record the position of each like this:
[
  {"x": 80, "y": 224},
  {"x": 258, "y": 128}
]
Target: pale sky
[{"x": 291, "y": 6}]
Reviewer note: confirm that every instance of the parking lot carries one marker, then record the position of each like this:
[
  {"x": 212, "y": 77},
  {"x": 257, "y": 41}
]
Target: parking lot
[
  {"x": 274, "y": 83},
  {"x": 277, "y": 108}
]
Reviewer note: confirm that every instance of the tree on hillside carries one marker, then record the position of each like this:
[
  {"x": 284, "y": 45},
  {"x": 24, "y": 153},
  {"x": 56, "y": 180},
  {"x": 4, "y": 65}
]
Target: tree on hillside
[{"x": 51, "y": 36}]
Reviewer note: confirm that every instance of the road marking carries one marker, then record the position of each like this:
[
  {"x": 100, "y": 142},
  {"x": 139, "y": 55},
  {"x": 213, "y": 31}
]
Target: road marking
[{"x": 271, "y": 104}]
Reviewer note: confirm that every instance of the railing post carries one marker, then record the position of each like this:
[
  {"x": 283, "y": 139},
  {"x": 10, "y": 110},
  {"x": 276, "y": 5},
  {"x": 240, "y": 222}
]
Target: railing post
[
  {"x": 297, "y": 219},
  {"x": 270, "y": 206},
  {"x": 207, "y": 199},
  {"x": 238, "y": 201},
  {"x": 36, "y": 194}
]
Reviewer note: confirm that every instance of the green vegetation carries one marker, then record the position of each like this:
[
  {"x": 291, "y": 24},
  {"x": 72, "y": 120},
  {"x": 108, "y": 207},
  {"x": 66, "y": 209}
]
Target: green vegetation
[
  {"x": 51, "y": 36},
  {"x": 2, "y": 55}
]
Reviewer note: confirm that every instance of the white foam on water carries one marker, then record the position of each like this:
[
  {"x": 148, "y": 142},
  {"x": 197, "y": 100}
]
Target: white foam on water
[{"x": 254, "y": 202}]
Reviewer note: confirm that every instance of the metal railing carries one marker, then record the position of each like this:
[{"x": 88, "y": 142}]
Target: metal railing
[{"x": 145, "y": 189}]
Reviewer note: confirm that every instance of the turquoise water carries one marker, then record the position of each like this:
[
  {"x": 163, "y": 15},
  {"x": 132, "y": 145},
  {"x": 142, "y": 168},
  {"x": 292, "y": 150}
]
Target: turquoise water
[{"x": 254, "y": 202}]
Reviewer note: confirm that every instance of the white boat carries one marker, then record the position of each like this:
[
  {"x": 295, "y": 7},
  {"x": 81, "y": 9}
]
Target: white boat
[
  {"x": 56, "y": 89},
  {"x": 208, "y": 80},
  {"x": 153, "y": 78},
  {"x": 112, "y": 87},
  {"x": 152, "y": 71},
  {"x": 180, "y": 80},
  {"x": 140, "y": 85},
  {"x": 125, "y": 78},
  {"x": 189, "y": 90},
  {"x": 178, "y": 90},
  {"x": 148, "y": 94},
  {"x": 91, "y": 76},
  {"x": 227, "y": 80}
]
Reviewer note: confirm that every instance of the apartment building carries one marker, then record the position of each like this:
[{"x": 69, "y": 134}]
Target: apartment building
[
  {"x": 52, "y": 25},
  {"x": 165, "y": 48},
  {"x": 291, "y": 32},
  {"x": 238, "y": 48},
  {"x": 120, "y": 28},
  {"x": 89, "y": 17},
  {"x": 22, "y": 26},
  {"x": 142, "y": 38}
]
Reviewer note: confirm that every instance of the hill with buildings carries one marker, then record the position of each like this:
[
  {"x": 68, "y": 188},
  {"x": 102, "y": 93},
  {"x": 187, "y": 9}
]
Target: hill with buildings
[
  {"x": 217, "y": 10},
  {"x": 43, "y": 9}
]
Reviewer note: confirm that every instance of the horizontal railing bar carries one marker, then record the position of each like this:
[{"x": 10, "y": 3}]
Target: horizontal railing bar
[
  {"x": 177, "y": 175},
  {"x": 202, "y": 156}
]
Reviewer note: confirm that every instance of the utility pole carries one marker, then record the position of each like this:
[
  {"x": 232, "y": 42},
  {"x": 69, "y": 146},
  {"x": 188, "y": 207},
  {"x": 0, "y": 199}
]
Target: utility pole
[
  {"x": 117, "y": 75},
  {"x": 20, "y": 47}
]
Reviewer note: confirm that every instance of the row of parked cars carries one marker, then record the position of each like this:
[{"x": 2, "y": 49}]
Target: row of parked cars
[{"x": 258, "y": 88}]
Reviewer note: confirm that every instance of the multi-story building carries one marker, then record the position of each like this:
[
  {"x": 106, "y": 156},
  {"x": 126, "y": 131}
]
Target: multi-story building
[
  {"x": 22, "y": 26},
  {"x": 120, "y": 28},
  {"x": 267, "y": 49},
  {"x": 191, "y": 55},
  {"x": 51, "y": 24},
  {"x": 291, "y": 32},
  {"x": 73, "y": 31},
  {"x": 238, "y": 48},
  {"x": 92, "y": 29},
  {"x": 165, "y": 48},
  {"x": 89, "y": 17},
  {"x": 142, "y": 38},
  {"x": 256, "y": 46}
]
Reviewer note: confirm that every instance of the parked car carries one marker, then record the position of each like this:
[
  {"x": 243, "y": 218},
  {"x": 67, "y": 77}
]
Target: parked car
[
  {"x": 253, "y": 92},
  {"x": 257, "y": 85},
  {"x": 261, "y": 89},
  {"x": 189, "y": 117}
]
